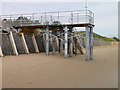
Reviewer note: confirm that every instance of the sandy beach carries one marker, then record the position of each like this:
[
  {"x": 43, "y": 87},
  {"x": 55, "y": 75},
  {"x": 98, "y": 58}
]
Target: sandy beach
[{"x": 41, "y": 71}]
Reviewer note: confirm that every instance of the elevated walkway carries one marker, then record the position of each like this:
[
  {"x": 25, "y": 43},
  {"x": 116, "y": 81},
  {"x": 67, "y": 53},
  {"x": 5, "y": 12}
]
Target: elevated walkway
[{"x": 65, "y": 21}]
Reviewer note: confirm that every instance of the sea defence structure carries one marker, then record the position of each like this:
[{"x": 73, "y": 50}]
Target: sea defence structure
[{"x": 56, "y": 32}]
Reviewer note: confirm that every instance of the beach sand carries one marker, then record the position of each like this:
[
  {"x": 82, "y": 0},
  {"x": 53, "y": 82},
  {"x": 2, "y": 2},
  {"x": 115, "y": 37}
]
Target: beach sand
[{"x": 41, "y": 71}]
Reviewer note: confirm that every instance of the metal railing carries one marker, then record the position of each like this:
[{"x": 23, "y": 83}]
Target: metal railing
[{"x": 50, "y": 18}]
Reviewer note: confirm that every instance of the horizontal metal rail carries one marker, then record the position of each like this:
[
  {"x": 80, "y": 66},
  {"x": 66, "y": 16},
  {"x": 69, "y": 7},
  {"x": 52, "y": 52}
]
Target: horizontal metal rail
[{"x": 50, "y": 18}]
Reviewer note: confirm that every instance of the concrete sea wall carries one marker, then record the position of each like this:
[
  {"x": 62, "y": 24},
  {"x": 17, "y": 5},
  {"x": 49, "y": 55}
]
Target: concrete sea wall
[
  {"x": 8, "y": 47},
  {"x": 97, "y": 42},
  {"x": 14, "y": 44}
]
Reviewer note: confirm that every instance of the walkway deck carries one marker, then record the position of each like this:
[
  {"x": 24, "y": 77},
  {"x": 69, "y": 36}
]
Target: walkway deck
[{"x": 62, "y": 25}]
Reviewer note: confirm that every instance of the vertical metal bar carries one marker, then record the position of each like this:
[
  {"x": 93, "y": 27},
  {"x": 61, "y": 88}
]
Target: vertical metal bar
[
  {"x": 61, "y": 47},
  {"x": 93, "y": 18},
  {"x": 66, "y": 42},
  {"x": 45, "y": 19},
  {"x": 61, "y": 43},
  {"x": 33, "y": 18},
  {"x": 51, "y": 19},
  {"x": 11, "y": 19},
  {"x": 71, "y": 17},
  {"x": 53, "y": 44},
  {"x": 41, "y": 20},
  {"x": 21, "y": 20},
  {"x": 86, "y": 7},
  {"x": 58, "y": 16},
  {"x": 71, "y": 45},
  {"x": 29, "y": 21},
  {"x": 91, "y": 43},
  {"x": 77, "y": 18},
  {"x": 47, "y": 41},
  {"x": 87, "y": 44},
  {"x": 75, "y": 46}
]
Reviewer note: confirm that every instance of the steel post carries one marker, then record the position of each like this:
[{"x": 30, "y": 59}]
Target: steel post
[
  {"x": 91, "y": 43},
  {"x": 47, "y": 41},
  {"x": 66, "y": 42},
  {"x": 87, "y": 44}
]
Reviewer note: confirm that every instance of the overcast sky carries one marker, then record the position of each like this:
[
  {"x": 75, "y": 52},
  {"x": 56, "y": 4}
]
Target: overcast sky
[{"x": 106, "y": 13}]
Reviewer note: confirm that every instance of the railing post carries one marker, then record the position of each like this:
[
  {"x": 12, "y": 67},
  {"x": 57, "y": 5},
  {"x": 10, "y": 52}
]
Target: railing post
[
  {"x": 47, "y": 41},
  {"x": 33, "y": 19},
  {"x": 41, "y": 20},
  {"x": 71, "y": 17},
  {"x": 91, "y": 43},
  {"x": 87, "y": 44},
  {"x": 58, "y": 16},
  {"x": 66, "y": 41},
  {"x": 35, "y": 44},
  {"x": 24, "y": 43},
  {"x": 45, "y": 19},
  {"x": 21, "y": 20},
  {"x": 13, "y": 43},
  {"x": 78, "y": 18}
]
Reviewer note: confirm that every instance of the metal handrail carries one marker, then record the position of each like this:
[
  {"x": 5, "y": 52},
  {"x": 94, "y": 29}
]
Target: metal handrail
[{"x": 67, "y": 17}]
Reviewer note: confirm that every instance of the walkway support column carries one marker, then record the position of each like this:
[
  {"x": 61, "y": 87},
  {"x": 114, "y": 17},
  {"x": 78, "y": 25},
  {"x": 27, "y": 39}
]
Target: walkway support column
[
  {"x": 91, "y": 43},
  {"x": 71, "y": 43},
  {"x": 61, "y": 47},
  {"x": 47, "y": 41},
  {"x": 13, "y": 43},
  {"x": 24, "y": 43},
  {"x": 53, "y": 45},
  {"x": 61, "y": 43},
  {"x": 87, "y": 44},
  {"x": 66, "y": 42}
]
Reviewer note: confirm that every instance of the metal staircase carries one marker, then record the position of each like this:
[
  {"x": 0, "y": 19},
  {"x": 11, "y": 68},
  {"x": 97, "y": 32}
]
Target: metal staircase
[{"x": 79, "y": 43}]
